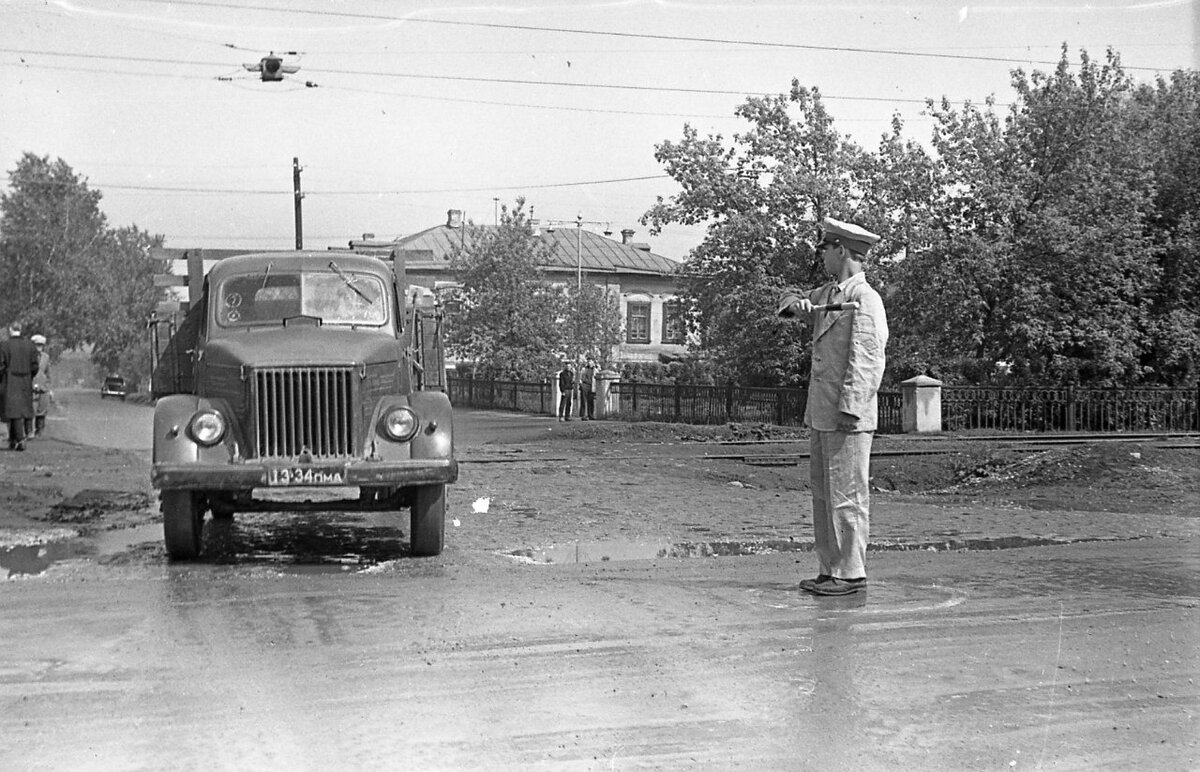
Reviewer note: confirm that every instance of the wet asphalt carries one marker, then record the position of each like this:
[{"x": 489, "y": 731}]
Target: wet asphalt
[{"x": 1075, "y": 644}]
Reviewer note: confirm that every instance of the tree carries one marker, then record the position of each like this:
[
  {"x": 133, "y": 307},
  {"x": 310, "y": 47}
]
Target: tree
[
  {"x": 1040, "y": 255},
  {"x": 510, "y": 319},
  {"x": 126, "y": 287},
  {"x": 67, "y": 274},
  {"x": 762, "y": 197},
  {"x": 592, "y": 322},
  {"x": 52, "y": 233},
  {"x": 1168, "y": 123}
]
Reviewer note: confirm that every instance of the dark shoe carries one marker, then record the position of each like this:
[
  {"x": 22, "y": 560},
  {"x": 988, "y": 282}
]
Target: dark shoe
[
  {"x": 835, "y": 586},
  {"x": 808, "y": 584},
  {"x": 20, "y": 446}
]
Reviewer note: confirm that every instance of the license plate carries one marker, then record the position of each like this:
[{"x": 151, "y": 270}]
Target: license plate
[{"x": 283, "y": 476}]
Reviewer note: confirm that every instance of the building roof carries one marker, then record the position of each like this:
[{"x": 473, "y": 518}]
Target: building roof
[{"x": 572, "y": 247}]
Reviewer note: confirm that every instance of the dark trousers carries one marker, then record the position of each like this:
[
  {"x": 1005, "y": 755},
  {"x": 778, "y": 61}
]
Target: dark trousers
[
  {"x": 587, "y": 405},
  {"x": 564, "y": 405},
  {"x": 16, "y": 432}
]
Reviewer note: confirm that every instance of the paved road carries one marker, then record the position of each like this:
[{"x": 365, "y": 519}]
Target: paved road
[{"x": 1080, "y": 656}]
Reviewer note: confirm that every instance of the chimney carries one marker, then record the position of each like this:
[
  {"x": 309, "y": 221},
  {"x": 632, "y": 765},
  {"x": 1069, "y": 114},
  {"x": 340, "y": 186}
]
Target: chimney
[
  {"x": 368, "y": 236},
  {"x": 626, "y": 235},
  {"x": 454, "y": 218}
]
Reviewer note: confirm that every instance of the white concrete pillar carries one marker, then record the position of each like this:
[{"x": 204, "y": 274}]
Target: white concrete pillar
[
  {"x": 922, "y": 405},
  {"x": 608, "y": 402}
]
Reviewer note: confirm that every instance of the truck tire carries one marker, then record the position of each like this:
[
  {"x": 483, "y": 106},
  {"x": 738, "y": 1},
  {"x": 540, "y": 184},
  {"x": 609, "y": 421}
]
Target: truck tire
[
  {"x": 428, "y": 521},
  {"x": 183, "y": 524}
]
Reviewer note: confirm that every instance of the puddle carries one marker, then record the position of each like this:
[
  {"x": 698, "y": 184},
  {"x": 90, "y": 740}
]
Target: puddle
[
  {"x": 603, "y": 551},
  {"x": 34, "y": 559},
  {"x": 37, "y": 555}
]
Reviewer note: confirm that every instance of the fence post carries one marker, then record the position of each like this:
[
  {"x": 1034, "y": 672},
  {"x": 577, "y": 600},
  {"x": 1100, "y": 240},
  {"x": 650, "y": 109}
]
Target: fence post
[
  {"x": 608, "y": 402},
  {"x": 729, "y": 401},
  {"x": 678, "y": 403},
  {"x": 1070, "y": 408},
  {"x": 921, "y": 405}
]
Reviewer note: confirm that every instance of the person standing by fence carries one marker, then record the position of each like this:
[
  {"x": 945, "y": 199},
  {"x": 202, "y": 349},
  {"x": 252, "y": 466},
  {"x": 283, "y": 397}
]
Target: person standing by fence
[
  {"x": 587, "y": 391},
  {"x": 842, "y": 411},
  {"x": 566, "y": 387}
]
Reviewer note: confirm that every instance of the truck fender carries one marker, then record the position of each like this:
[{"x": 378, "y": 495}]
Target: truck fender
[
  {"x": 434, "y": 438},
  {"x": 173, "y": 445}
]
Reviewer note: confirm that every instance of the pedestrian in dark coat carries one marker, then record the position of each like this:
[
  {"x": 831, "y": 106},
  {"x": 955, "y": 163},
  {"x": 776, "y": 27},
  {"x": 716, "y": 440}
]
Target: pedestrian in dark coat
[
  {"x": 18, "y": 365},
  {"x": 566, "y": 387}
]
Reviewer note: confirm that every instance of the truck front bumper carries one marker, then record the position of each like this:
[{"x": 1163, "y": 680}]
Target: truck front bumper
[{"x": 246, "y": 476}]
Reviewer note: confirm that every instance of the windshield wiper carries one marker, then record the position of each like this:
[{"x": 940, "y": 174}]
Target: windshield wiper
[{"x": 349, "y": 282}]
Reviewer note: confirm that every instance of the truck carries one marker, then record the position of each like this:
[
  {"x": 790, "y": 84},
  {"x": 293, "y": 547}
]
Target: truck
[{"x": 309, "y": 371}]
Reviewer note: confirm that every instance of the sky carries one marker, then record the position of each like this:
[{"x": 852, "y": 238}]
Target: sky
[{"x": 402, "y": 110}]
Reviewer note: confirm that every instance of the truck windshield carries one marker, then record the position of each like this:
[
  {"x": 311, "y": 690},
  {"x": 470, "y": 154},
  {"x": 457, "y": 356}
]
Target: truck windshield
[{"x": 344, "y": 297}]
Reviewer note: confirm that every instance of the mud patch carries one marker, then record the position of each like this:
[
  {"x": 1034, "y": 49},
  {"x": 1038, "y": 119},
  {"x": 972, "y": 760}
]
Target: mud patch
[
  {"x": 1133, "y": 477},
  {"x": 617, "y": 550},
  {"x": 90, "y": 506}
]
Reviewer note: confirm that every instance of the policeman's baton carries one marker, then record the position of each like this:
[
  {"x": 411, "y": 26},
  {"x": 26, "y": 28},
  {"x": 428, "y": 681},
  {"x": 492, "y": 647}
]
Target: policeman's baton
[{"x": 851, "y": 305}]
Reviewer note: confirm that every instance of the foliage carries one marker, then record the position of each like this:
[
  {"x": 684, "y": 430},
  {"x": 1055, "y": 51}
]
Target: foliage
[
  {"x": 1168, "y": 119},
  {"x": 508, "y": 320},
  {"x": 51, "y": 235},
  {"x": 121, "y": 343},
  {"x": 514, "y": 321},
  {"x": 592, "y": 323},
  {"x": 762, "y": 199},
  {"x": 1060, "y": 239},
  {"x": 1039, "y": 259},
  {"x": 67, "y": 274},
  {"x": 690, "y": 370}
]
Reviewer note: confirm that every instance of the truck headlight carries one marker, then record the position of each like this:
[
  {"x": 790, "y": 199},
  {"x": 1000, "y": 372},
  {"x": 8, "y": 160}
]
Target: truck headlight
[
  {"x": 400, "y": 424},
  {"x": 207, "y": 428}
]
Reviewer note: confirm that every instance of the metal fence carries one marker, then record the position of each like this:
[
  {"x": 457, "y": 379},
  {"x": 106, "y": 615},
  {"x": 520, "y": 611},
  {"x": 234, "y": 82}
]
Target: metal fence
[
  {"x": 518, "y": 396},
  {"x": 1070, "y": 409},
  {"x": 681, "y": 403},
  {"x": 963, "y": 407},
  {"x": 672, "y": 403}
]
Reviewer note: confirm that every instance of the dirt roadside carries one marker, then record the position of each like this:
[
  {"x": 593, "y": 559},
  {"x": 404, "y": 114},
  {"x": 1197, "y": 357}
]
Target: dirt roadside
[{"x": 701, "y": 486}]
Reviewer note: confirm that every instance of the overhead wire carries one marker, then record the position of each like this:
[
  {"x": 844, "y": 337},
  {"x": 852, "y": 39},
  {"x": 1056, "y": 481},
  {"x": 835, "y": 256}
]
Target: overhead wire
[
  {"x": 318, "y": 192},
  {"x": 408, "y": 19},
  {"x": 470, "y": 79}
]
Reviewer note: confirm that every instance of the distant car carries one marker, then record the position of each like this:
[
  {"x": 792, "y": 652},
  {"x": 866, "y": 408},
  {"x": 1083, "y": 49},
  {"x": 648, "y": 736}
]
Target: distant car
[{"x": 114, "y": 386}]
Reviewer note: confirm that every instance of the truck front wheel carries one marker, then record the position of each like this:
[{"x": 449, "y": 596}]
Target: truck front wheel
[
  {"x": 183, "y": 523},
  {"x": 428, "y": 520}
]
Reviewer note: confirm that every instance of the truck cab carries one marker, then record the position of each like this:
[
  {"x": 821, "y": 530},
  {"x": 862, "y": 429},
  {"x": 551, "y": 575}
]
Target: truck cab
[{"x": 302, "y": 370}]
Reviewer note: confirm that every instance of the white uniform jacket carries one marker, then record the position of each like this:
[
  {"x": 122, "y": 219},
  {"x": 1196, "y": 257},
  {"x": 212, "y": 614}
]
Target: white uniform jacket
[{"x": 847, "y": 356}]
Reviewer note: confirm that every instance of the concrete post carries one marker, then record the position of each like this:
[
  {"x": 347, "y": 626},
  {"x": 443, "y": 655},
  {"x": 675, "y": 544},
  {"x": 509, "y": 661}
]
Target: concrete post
[
  {"x": 608, "y": 402},
  {"x": 922, "y": 405},
  {"x": 556, "y": 393}
]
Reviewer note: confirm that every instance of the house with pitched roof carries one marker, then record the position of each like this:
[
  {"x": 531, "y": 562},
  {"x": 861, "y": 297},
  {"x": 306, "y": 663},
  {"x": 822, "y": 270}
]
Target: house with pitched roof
[{"x": 642, "y": 281}]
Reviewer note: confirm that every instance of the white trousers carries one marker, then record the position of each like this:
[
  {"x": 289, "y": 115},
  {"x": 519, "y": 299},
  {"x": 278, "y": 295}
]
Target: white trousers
[{"x": 839, "y": 465}]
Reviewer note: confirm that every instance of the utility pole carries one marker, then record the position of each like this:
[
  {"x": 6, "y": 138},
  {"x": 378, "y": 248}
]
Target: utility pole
[
  {"x": 299, "y": 196},
  {"x": 579, "y": 251},
  {"x": 579, "y": 222}
]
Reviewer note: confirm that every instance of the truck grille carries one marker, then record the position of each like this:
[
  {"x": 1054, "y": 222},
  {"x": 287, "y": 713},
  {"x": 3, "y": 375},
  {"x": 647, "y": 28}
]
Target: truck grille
[{"x": 298, "y": 409}]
